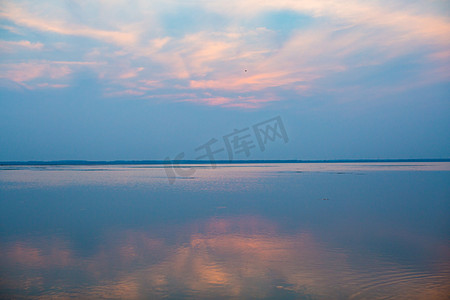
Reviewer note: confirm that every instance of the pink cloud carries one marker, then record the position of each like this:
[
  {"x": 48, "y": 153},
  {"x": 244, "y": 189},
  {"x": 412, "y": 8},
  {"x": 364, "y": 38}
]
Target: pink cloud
[
  {"x": 355, "y": 34},
  {"x": 56, "y": 86},
  {"x": 22, "y": 17},
  {"x": 128, "y": 92},
  {"x": 23, "y": 72},
  {"x": 253, "y": 82},
  {"x": 131, "y": 74},
  {"x": 239, "y": 101},
  {"x": 42, "y": 74},
  {"x": 11, "y": 45}
]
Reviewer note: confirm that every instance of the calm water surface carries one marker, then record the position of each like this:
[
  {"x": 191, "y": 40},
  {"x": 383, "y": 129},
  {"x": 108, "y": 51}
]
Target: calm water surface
[{"x": 279, "y": 231}]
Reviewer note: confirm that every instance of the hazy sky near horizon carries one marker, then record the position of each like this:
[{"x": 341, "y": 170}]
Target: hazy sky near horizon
[{"x": 106, "y": 80}]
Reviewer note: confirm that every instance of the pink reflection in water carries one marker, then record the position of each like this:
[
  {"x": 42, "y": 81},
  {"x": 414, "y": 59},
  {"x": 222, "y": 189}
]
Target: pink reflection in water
[{"x": 236, "y": 257}]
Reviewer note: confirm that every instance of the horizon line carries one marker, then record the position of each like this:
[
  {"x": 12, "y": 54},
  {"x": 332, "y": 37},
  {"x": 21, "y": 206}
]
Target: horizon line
[{"x": 189, "y": 161}]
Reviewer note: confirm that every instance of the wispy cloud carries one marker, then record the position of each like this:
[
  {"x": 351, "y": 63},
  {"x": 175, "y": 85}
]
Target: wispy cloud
[
  {"x": 140, "y": 53},
  {"x": 13, "y": 45},
  {"x": 238, "y": 101},
  {"x": 27, "y": 71},
  {"x": 21, "y": 16},
  {"x": 43, "y": 73}
]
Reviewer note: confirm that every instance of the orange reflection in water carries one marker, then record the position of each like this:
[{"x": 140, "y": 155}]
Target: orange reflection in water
[
  {"x": 242, "y": 257},
  {"x": 27, "y": 254}
]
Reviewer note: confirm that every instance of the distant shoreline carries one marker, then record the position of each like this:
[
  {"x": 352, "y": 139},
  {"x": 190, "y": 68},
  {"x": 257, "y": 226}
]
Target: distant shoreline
[{"x": 162, "y": 162}]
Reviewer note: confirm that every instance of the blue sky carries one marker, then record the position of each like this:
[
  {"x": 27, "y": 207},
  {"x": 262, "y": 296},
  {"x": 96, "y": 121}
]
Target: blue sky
[{"x": 105, "y": 80}]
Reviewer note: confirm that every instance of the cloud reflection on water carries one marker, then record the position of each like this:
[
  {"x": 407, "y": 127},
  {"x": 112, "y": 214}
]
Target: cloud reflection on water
[{"x": 233, "y": 257}]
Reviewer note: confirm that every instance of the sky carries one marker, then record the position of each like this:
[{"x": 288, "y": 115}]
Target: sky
[{"x": 135, "y": 79}]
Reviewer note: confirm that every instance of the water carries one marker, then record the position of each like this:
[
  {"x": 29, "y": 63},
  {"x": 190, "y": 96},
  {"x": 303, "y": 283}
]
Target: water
[{"x": 277, "y": 231}]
